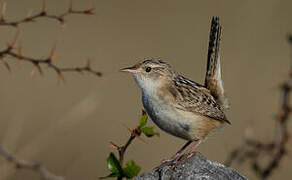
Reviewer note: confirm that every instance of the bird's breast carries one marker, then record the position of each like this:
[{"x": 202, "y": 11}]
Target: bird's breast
[{"x": 165, "y": 115}]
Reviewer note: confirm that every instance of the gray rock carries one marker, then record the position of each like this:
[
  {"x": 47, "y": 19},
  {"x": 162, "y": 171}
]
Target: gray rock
[{"x": 193, "y": 168}]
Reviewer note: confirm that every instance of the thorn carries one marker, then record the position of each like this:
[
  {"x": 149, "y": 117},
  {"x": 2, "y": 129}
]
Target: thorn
[
  {"x": 20, "y": 56},
  {"x": 63, "y": 26},
  {"x": 6, "y": 65},
  {"x": 92, "y": 8},
  {"x": 44, "y": 6},
  {"x": 61, "y": 20},
  {"x": 55, "y": 58},
  {"x": 99, "y": 74},
  {"x": 141, "y": 139},
  {"x": 61, "y": 78},
  {"x": 70, "y": 9},
  {"x": 32, "y": 73},
  {"x": 51, "y": 57},
  {"x": 136, "y": 135},
  {"x": 14, "y": 39},
  {"x": 131, "y": 131},
  {"x": 38, "y": 67},
  {"x": 29, "y": 14},
  {"x": 8, "y": 45},
  {"x": 114, "y": 146},
  {"x": 3, "y": 12},
  {"x": 89, "y": 11},
  {"x": 19, "y": 49},
  {"x": 88, "y": 63}
]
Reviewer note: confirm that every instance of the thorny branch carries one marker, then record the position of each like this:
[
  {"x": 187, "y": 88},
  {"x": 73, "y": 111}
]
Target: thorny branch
[
  {"x": 42, "y": 14},
  {"x": 276, "y": 149},
  {"x": 16, "y": 53},
  {"x": 38, "y": 62},
  {"x": 122, "y": 149},
  {"x": 21, "y": 164}
]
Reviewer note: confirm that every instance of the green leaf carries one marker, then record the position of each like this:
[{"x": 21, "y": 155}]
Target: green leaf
[
  {"x": 143, "y": 120},
  {"x": 148, "y": 131},
  {"x": 131, "y": 170},
  {"x": 114, "y": 165},
  {"x": 110, "y": 176}
]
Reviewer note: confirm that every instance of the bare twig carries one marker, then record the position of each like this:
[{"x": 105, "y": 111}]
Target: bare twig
[
  {"x": 36, "y": 167},
  {"x": 42, "y": 14},
  {"x": 276, "y": 149},
  {"x": 16, "y": 53},
  {"x": 38, "y": 62}
]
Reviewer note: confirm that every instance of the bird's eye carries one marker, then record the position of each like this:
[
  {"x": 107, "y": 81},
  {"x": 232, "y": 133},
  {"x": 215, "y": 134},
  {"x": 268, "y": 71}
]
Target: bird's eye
[{"x": 148, "y": 69}]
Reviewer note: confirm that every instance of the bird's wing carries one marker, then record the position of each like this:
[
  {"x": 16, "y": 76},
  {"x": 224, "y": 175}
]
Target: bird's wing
[
  {"x": 213, "y": 79},
  {"x": 196, "y": 98}
]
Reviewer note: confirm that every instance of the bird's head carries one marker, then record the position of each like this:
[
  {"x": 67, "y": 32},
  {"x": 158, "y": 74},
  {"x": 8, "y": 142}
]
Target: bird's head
[{"x": 151, "y": 72}]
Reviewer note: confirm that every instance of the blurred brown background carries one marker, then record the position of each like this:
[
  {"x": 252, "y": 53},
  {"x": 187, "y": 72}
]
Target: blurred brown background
[{"x": 68, "y": 127}]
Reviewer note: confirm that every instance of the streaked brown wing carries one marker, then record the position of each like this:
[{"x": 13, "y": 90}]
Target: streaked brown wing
[{"x": 196, "y": 98}]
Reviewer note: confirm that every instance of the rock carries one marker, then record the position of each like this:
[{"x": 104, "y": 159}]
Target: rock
[{"x": 193, "y": 168}]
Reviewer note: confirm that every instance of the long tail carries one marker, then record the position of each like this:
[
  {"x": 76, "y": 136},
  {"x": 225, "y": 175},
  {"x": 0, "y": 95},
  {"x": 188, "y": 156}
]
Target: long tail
[{"x": 213, "y": 79}]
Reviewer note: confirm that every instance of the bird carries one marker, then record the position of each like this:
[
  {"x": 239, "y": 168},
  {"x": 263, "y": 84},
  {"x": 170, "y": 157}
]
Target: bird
[{"x": 178, "y": 105}]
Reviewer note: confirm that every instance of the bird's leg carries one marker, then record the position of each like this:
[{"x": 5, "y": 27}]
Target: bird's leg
[
  {"x": 193, "y": 148},
  {"x": 187, "y": 155},
  {"x": 177, "y": 154},
  {"x": 181, "y": 150}
]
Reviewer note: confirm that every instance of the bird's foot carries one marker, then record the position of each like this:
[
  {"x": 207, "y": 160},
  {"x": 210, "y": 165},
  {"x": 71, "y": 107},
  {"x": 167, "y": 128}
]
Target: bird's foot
[
  {"x": 176, "y": 160},
  {"x": 191, "y": 154},
  {"x": 182, "y": 159},
  {"x": 171, "y": 161}
]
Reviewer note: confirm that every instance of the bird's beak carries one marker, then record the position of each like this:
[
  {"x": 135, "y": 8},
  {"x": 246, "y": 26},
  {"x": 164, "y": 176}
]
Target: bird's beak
[{"x": 132, "y": 69}]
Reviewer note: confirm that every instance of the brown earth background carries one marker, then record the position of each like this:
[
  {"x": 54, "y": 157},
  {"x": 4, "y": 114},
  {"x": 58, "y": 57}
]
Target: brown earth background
[{"x": 68, "y": 127}]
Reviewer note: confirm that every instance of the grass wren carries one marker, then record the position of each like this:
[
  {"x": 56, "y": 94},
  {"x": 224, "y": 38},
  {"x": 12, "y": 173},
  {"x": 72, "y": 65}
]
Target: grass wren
[{"x": 178, "y": 105}]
